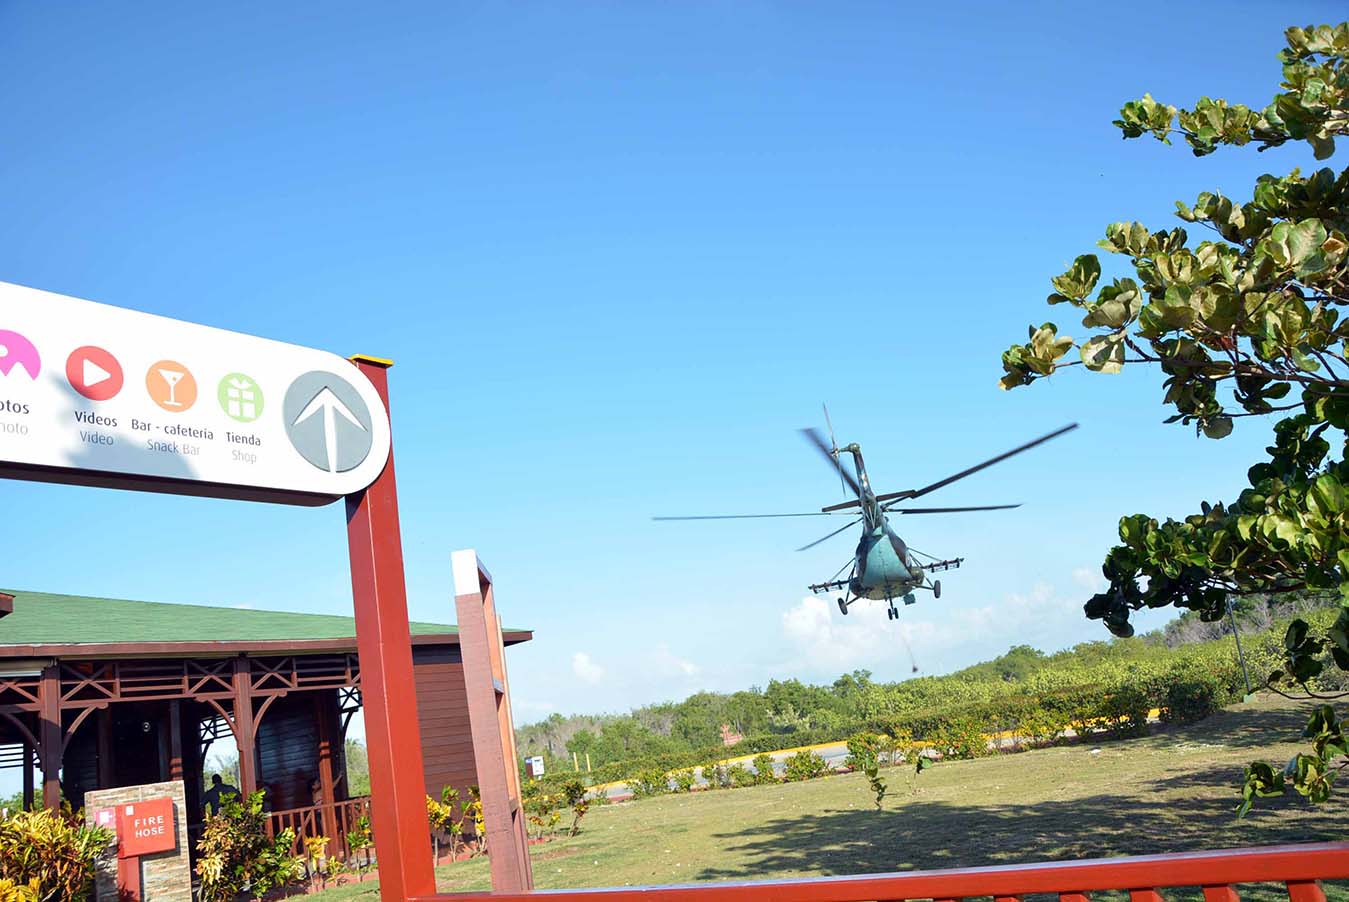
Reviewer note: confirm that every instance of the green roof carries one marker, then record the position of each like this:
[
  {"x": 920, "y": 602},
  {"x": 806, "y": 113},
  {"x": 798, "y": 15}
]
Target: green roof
[{"x": 41, "y": 618}]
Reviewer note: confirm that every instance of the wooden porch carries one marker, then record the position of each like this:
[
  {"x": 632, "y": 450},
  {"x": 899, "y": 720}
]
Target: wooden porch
[
  {"x": 87, "y": 709},
  {"x": 312, "y": 820},
  {"x": 97, "y": 724}
]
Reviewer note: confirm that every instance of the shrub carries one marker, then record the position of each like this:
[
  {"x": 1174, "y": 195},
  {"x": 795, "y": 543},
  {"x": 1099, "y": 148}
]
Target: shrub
[
  {"x": 360, "y": 839},
  {"x": 438, "y": 816},
  {"x": 651, "y": 782},
  {"x": 541, "y": 812},
  {"x": 961, "y": 738},
  {"x": 864, "y": 751},
  {"x": 472, "y": 813},
  {"x": 1040, "y": 725},
  {"x": 1126, "y": 711},
  {"x": 574, "y": 794},
  {"x": 740, "y": 776},
  {"x": 315, "y": 857},
  {"x": 1191, "y": 696},
  {"x": 714, "y": 775},
  {"x": 805, "y": 766},
  {"x": 684, "y": 780},
  {"x": 235, "y": 854},
  {"x": 443, "y": 822},
  {"x": 898, "y": 745},
  {"x": 15, "y": 892},
  {"x": 49, "y": 855},
  {"x": 1083, "y": 708}
]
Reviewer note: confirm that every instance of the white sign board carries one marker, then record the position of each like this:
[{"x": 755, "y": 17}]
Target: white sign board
[{"x": 107, "y": 396}]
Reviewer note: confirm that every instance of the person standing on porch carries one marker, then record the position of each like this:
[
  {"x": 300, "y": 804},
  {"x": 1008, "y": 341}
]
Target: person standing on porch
[{"x": 211, "y": 799}]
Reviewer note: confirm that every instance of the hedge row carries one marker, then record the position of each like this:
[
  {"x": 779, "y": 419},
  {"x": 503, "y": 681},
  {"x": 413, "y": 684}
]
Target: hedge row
[{"x": 1109, "y": 697}]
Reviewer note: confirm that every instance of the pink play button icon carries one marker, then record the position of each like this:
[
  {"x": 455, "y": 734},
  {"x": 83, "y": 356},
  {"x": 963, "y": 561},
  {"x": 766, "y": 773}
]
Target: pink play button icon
[{"x": 94, "y": 373}]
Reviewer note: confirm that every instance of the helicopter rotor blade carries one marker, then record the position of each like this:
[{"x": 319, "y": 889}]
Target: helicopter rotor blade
[
  {"x": 949, "y": 510},
  {"x": 741, "y": 516},
  {"x": 833, "y": 445},
  {"x": 813, "y": 436},
  {"x": 830, "y": 536},
  {"x": 918, "y": 493},
  {"x": 851, "y": 563}
]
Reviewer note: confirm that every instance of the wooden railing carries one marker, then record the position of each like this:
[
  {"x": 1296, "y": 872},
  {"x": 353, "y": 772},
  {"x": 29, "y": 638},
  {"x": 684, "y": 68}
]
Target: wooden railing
[
  {"x": 1299, "y": 868},
  {"x": 308, "y": 821}
]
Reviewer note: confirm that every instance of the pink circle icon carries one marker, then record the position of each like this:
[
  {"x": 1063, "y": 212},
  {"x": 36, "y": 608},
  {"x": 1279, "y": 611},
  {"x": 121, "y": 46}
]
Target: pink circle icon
[{"x": 15, "y": 350}]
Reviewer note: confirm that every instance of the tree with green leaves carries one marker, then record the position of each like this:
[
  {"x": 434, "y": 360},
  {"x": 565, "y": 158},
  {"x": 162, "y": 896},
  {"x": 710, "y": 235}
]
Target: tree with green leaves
[
  {"x": 236, "y": 856},
  {"x": 1248, "y": 322}
]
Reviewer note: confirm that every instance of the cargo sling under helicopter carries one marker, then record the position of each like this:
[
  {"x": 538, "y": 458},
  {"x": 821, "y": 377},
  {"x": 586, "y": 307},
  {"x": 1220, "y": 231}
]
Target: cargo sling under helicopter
[{"x": 883, "y": 567}]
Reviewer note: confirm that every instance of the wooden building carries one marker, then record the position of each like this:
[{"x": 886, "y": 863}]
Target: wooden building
[{"x": 101, "y": 693}]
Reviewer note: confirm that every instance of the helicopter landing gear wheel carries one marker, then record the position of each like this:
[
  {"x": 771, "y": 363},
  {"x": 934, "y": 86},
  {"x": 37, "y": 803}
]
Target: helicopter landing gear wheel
[
  {"x": 843, "y": 606},
  {"x": 936, "y": 588},
  {"x": 892, "y": 614}
]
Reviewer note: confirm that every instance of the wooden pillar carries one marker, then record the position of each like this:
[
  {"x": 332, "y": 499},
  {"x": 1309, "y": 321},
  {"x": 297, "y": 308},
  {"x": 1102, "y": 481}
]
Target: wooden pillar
[
  {"x": 104, "y": 761},
  {"x": 51, "y": 735},
  {"x": 27, "y": 775},
  {"x": 384, "y": 645},
  {"x": 489, "y": 718},
  {"x": 325, "y": 733},
  {"x": 175, "y": 739},
  {"x": 190, "y": 716},
  {"x": 243, "y": 726}
]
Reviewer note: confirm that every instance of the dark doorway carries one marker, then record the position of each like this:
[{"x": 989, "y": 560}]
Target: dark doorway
[{"x": 138, "y": 744}]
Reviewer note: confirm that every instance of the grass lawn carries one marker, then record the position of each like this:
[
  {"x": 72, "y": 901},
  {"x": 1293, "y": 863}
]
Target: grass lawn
[{"x": 1171, "y": 792}]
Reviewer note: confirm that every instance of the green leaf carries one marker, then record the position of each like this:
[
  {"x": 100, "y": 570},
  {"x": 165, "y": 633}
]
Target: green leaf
[
  {"x": 1304, "y": 244},
  {"x": 1046, "y": 347},
  {"x": 1295, "y": 635},
  {"x": 1104, "y": 353},
  {"x": 1327, "y": 496},
  {"x": 1078, "y": 282},
  {"x": 1117, "y": 304},
  {"x": 1217, "y": 427}
]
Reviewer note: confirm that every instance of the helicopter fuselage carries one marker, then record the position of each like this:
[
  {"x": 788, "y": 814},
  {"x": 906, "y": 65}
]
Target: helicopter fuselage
[{"x": 885, "y": 569}]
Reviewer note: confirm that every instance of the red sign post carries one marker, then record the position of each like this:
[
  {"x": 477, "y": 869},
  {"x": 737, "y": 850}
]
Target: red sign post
[
  {"x": 384, "y": 643},
  {"x": 142, "y": 828}
]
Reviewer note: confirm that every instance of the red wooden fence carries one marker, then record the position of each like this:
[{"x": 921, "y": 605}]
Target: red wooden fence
[
  {"x": 1298, "y": 867},
  {"x": 308, "y": 821}
]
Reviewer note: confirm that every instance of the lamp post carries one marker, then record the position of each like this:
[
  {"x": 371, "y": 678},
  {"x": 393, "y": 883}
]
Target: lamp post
[{"x": 1236, "y": 634}]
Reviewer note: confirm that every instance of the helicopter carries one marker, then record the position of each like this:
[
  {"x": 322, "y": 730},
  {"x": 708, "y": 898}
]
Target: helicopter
[{"x": 884, "y": 567}]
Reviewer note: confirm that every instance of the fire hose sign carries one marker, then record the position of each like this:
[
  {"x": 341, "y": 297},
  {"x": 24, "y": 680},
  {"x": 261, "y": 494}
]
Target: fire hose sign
[
  {"x": 144, "y": 828},
  {"x": 149, "y": 824}
]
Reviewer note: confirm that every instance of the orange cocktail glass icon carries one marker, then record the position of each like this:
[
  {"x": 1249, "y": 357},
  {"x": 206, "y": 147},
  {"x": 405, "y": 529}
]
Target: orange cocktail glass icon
[{"x": 171, "y": 386}]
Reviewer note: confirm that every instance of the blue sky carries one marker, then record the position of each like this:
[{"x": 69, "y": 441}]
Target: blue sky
[{"x": 620, "y": 253}]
